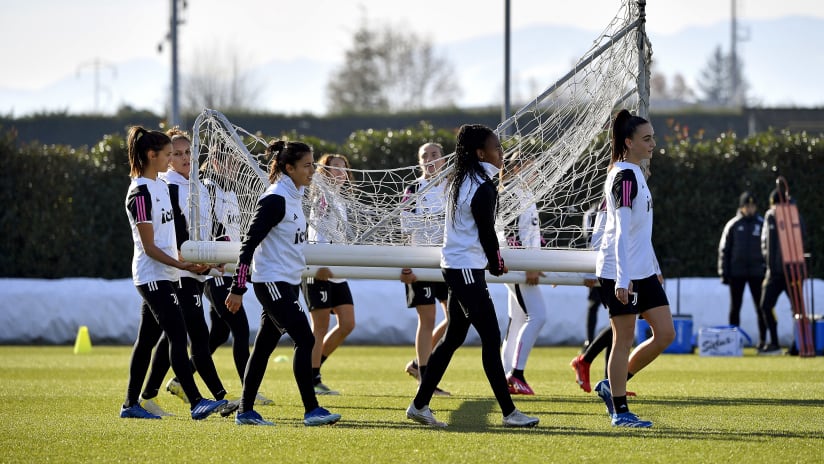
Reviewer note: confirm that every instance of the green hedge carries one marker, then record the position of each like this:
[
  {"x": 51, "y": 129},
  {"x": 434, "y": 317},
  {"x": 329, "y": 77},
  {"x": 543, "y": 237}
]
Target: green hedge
[
  {"x": 696, "y": 184},
  {"x": 63, "y": 208}
]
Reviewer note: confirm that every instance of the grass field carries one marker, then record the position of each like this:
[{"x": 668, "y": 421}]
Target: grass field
[{"x": 60, "y": 407}]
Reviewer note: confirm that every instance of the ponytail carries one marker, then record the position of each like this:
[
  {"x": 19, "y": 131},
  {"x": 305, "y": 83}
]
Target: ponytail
[
  {"x": 140, "y": 142},
  {"x": 283, "y": 153},
  {"x": 623, "y": 127}
]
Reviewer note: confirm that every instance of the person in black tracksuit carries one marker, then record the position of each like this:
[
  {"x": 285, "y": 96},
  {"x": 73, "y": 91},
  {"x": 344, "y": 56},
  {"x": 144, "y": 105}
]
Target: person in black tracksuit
[
  {"x": 470, "y": 246},
  {"x": 272, "y": 255},
  {"x": 741, "y": 263},
  {"x": 774, "y": 281}
]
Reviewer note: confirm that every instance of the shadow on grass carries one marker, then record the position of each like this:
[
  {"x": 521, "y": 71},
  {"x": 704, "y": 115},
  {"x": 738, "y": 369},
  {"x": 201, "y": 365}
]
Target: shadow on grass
[{"x": 471, "y": 416}]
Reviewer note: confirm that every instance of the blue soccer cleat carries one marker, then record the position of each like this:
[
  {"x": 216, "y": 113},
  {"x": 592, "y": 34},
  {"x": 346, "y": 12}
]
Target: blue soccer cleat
[
  {"x": 251, "y": 418},
  {"x": 205, "y": 408},
  {"x": 628, "y": 419},
  {"x": 136, "y": 412},
  {"x": 604, "y": 392},
  {"x": 319, "y": 416}
]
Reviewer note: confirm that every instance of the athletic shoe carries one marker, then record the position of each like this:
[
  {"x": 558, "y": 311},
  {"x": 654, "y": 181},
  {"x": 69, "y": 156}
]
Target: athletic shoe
[
  {"x": 174, "y": 387},
  {"x": 518, "y": 419},
  {"x": 581, "y": 368},
  {"x": 229, "y": 407},
  {"x": 518, "y": 386},
  {"x": 205, "y": 408},
  {"x": 439, "y": 392},
  {"x": 319, "y": 416},
  {"x": 770, "y": 350},
  {"x": 154, "y": 408},
  {"x": 251, "y": 418},
  {"x": 423, "y": 416},
  {"x": 603, "y": 391},
  {"x": 261, "y": 400},
  {"x": 412, "y": 369},
  {"x": 136, "y": 412},
  {"x": 321, "y": 389},
  {"x": 628, "y": 419}
]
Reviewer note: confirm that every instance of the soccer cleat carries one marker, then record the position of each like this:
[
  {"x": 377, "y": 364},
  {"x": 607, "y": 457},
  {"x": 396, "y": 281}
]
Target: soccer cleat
[
  {"x": 319, "y": 416},
  {"x": 439, "y": 392},
  {"x": 261, "y": 400},
  {"x": 251, "y": 418},
  {"x": 136, "y": 412},
  {"x": 603, "y": 391},
  {"x": 205, "y": 408},
  {"x": 154, "y": 408},
  {"x": 628, "y": 419},
  {"x": 321, "y": 389},
  {"x": 770, "y": 350},
  {"x": 423, "y": 416},
  {"x": 174, "y": 387},
  {"x": 581, "y": 368},
  {"x": 518, "y": 386},
  {"x": 412, "y": 369},
  {"x": 229, "y": 407},
  {"x": 518, "y": 419}
]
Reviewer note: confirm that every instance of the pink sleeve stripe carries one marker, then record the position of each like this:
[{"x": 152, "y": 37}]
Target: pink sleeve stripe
[
  {"x": 141, "y": 209},
  {"x": 627, "y": 191},
  {"x": 242, "y": 273}
]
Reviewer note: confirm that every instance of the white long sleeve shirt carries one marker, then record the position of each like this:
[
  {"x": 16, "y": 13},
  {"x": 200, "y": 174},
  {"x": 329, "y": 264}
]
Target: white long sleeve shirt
[{"x": 626, "y": 251}]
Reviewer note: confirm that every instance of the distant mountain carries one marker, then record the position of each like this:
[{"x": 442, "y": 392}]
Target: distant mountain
[{"x": 783, "y": 64}]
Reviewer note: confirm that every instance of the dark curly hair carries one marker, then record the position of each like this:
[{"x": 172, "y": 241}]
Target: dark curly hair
[{"x": 471, "y": 137}]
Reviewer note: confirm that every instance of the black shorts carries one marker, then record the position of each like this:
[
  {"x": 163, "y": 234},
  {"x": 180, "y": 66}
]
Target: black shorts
[
  {"x": 323, "y": 294},
  {"x": 647, "y": 294},
  {"x": 421, "y": 293}
]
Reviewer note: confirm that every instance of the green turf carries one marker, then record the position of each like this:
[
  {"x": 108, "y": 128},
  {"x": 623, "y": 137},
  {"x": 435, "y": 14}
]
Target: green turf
[{"x": 59, "y": 407}]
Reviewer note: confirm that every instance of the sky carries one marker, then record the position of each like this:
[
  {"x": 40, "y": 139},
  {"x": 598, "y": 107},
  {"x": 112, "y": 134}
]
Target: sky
[{"x": 46, "y": 41}]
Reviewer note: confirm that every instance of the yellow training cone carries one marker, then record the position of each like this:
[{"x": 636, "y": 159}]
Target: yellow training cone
[{"x": 83, "y": 344}]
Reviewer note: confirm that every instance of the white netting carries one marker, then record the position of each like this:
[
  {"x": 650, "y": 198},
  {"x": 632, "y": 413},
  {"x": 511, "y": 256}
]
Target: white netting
[{"x": 559, "y": 139}]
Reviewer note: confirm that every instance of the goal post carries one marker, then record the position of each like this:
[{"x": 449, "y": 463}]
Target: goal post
[{"x": 556, "y": 149}]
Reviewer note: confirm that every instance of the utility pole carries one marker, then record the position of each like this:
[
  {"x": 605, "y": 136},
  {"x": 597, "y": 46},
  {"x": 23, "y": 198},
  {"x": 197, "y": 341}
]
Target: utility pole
[
  {"x": 174, "y": 100},
  {"x": 737, "y": 34},
  {"x": 505, "y": 107},
  {"x": 97, "y": 65},
  {"x": 734, "y": 84}
]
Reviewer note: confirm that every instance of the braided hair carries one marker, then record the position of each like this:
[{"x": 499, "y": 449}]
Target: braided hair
[
  {"x": 283, "y": 153},
  {"x": 471, "y": 137},
  {"x": 623, "y": 127}
]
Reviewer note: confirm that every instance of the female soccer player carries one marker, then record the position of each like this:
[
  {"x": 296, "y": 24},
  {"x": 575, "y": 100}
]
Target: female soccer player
[
  {"x": 470, "y": 246},
  {"x": 324, "y": 294},
  {"x": 155, "y": 271},
  {"x": 423, "y": 222},
  {"x": 273, "y": 254},
  {"x": 627, "y": 267},
  {"x": 225, "y": 226},
  {"x": 526, "y": 307},
  {"x": 189, "y": 291}
]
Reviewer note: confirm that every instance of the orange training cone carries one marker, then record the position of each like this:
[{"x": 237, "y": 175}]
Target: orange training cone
[{"x": 83, "y": 344}]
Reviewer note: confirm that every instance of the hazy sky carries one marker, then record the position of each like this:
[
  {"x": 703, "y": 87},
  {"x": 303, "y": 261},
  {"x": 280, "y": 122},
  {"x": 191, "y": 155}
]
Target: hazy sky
[{"x": 44, "y": 41}]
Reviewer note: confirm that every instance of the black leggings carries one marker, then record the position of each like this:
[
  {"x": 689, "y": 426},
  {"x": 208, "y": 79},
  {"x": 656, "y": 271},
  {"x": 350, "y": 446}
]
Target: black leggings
[
  {"x": 225, "y": 322},
  {"x": 281, "y": 314},
  {"x": 468, "y": 304},
  {"x": 190, "y": 294},
  {"x": 737, "y": 285},
  {"x": 771, "y": 290},
  {"x": 160, "y": 315}
]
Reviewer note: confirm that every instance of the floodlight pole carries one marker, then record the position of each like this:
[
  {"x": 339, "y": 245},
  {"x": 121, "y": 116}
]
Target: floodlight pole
[
  {"x": 507, "y": 31},
  {"x": 174, "y": 114}
]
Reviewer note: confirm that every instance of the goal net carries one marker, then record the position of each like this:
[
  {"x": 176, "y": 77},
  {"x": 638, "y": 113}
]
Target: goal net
[{"x": 557, "y": 152}]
